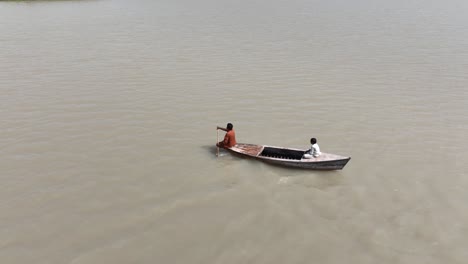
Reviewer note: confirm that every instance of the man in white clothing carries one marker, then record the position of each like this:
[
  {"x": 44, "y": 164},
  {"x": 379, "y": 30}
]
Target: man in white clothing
[{"x": 314, "y": 150}]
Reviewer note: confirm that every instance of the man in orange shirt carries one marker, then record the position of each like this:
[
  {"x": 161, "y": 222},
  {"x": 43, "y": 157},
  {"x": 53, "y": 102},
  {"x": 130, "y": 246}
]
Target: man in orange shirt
[{"x": 229, "y": 138}]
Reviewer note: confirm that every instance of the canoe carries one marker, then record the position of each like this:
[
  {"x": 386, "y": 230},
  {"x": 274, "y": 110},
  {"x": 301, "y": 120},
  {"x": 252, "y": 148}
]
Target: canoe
[{"x": 290, "y": 157}]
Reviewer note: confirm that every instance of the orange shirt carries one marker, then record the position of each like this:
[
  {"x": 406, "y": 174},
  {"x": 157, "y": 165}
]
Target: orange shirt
[{"x": 230, "y": 139}]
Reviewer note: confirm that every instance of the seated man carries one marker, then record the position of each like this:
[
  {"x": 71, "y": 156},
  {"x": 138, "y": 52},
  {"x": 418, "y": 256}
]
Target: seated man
[
  {"x": 229, "y": 138},
  {"x": 314, "y": 150}
]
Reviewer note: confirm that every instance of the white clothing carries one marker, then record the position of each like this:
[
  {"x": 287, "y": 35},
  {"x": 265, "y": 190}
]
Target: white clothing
[{"x": 314, "y": 151}]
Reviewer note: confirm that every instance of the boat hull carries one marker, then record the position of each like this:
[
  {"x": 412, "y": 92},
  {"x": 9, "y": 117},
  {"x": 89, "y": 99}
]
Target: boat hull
[
  {"x": 319, "y": 165},
  {"x": 289, "y": 157}
]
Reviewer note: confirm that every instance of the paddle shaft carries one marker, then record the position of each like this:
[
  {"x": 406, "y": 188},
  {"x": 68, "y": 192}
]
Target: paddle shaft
[{"x": 217, "y": 139}]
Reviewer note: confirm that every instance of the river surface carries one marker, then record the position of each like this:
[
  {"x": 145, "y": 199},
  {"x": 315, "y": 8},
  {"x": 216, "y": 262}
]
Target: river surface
[{"x": 108, "y": 112}]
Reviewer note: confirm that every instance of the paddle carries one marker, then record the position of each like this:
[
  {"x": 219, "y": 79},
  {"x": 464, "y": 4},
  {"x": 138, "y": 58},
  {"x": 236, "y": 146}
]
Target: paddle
[{"x": 217, "y": 140}]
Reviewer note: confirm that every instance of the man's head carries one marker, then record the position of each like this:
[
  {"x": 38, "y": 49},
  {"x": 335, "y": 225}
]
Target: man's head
[
  {"x": 229, "y": 126},
  {"x": 313, "y": 141}
]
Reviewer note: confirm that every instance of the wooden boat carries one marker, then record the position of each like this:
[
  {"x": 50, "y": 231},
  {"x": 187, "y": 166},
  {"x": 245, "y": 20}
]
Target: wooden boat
[{"x": 290, "y": 157}]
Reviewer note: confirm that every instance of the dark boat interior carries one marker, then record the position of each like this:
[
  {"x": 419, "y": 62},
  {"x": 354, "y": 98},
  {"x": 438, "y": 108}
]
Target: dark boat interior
[{"x": 282, "y": 153}]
